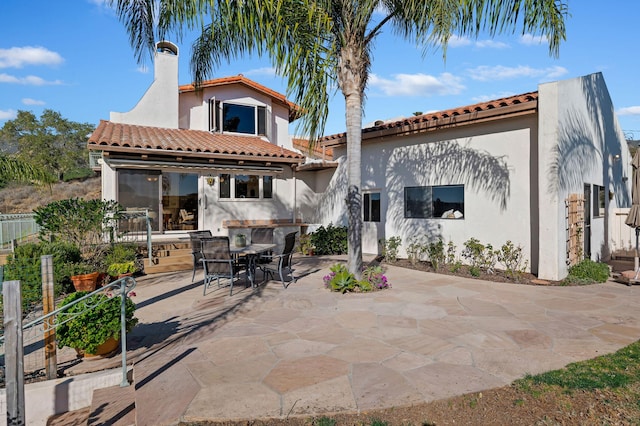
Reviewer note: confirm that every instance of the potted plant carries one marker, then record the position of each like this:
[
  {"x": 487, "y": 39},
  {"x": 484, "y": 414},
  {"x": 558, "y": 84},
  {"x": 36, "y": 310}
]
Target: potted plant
[
  {"x": 87, "y": 224},
  {"x": 122, "y": 269},
  {"x": 240, "y": 240},
  {"x": 84, "y": 276},
  {"x": 306, "y": 246},
  {"x": 92, "y": 326}
]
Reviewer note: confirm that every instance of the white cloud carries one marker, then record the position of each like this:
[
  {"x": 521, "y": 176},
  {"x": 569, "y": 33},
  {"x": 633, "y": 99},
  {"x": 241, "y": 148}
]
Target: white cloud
[
  {"x": 500, "y": 72},
  {"x": 457, "y": 41},
  {"x": 417, "y": 84},
  {"x": 29, "y": 101},
  {"x": 494, "y": 96},
  {"x": 632, "y": 110},
  {"x": 17, "y": 57},
  {"x": 30, "y": 80},
  {"x": 8, "y": 114},
  {"x": 264, "y": 71},
  {"x": 492, "y": 44},
  {"x": 532, "y": 40}
]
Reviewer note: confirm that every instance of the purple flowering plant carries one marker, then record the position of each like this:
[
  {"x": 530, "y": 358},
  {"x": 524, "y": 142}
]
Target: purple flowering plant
[{"x": 340, "y": 279}]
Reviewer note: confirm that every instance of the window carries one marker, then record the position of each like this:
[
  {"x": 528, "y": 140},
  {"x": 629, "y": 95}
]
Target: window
[
  {"x": 267, "y": 186},
  {"x": 371, "y": 201},
  {"x": 426, "y": 202},
  {"x": 245, "y": 186},
  {"x": 225, "y": 185},
  {"x": 230, "y": 117},
  {"x": 598, "y": 201}
]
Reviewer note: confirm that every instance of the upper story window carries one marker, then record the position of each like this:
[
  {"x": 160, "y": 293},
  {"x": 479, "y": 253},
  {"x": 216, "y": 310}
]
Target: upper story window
[{"x": 237, "y": 118}]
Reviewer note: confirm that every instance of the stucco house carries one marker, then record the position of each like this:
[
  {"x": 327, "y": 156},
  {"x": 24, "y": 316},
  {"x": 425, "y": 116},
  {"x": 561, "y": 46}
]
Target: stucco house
[
  {"x": 216, "y": 158},
  {"x": 509, "y": 169},
  {"x": 544, "y": 169}
]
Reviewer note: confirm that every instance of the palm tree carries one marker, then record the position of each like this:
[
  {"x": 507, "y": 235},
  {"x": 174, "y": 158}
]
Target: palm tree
[
  {"x": 13, "y": 169},
  {"x": 325, "y": 45}
]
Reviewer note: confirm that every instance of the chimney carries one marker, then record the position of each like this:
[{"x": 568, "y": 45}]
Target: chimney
[{"x": 158, "y": 107}]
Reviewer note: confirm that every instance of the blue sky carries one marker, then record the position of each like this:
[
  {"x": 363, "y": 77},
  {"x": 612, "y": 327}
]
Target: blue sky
[{"x": 74, "y": 58}]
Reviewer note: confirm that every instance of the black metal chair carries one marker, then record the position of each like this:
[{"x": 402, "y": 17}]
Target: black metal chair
[
  {"x": 262, "y": 236},
  {"x": 281, "y": 263},
  {"x": 218, "y": 262},
  {"x": 195, "y": 238}
]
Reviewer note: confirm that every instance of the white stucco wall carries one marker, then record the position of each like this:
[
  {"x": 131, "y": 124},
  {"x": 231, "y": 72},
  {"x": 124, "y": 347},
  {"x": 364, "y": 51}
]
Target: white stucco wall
[
  {"x": 490, "y": 160},
  {"x": 158, "y": 107},
  {"x": 580, "y": 143}
]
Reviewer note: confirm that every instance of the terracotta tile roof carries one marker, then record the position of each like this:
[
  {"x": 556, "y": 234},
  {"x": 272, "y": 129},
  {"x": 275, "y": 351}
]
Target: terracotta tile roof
[
  {"x": 110, "y": 136},
  {"x": 240, "y": 79},
  {"x": 303, "y": 146},
  {"x": 447, "y": 117}
]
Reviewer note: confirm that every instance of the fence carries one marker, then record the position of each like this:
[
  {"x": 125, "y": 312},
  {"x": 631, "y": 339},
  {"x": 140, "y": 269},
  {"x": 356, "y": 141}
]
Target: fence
[
  {"x": 18, "y": 228},
  {"x": 35, "y": 341},
  {"x": 133, "y": 226}
]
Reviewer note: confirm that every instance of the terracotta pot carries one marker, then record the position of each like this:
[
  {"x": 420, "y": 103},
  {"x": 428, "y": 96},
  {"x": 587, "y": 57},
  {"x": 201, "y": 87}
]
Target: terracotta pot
[
  {"x": 86, "y": 282},
  {"x": 105, "y": 350}
]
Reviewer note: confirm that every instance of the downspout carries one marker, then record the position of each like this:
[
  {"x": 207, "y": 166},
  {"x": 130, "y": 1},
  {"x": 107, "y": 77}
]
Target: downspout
[{"x": 295, "y": 196}]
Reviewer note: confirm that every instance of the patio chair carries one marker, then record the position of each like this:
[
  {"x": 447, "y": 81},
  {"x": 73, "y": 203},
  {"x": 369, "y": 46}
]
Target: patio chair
[
  {"x": 195, "y": 238},
  {"x": 262, "y": 236},
  {"x": 218, "y": 262},
  {"x": 281, "y": 263},
  {"x": 187, "y": 220}
]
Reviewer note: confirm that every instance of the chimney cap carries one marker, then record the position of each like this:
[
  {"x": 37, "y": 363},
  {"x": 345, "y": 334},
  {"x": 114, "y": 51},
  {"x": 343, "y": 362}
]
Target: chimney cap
[{"x": 167, "y": 47}]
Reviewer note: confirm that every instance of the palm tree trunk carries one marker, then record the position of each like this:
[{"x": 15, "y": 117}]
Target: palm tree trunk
[{"x": 350, "y": 81}]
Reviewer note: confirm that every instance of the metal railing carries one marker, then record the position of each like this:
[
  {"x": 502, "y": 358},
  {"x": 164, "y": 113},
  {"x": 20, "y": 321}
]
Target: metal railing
[
  {"x": 17, "y": 228},
  {"x": 34, "y": 332}
]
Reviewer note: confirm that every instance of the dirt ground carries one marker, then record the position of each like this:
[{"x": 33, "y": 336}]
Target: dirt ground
[{"x": 502, "y": 406}]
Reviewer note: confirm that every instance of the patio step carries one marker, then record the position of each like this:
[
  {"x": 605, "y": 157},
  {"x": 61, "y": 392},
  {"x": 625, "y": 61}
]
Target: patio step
[
  {"x": 113, "y": 406},
  {"x": 169, "y": 260}
]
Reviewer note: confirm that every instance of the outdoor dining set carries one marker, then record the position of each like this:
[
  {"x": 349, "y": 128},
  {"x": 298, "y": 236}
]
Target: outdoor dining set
[{"x": 222, "y": 259}]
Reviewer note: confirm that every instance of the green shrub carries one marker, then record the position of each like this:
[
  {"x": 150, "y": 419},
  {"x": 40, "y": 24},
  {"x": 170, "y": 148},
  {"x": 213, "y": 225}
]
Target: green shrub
[
  {"x": 415, "y": 250},
  {"x": 80, "y": 173},
  {"x": 512, "y": 259},
  {"x": 436, "y": 253},
  {"x": 589, "y": 270},
  {"x": 330, "y": 240},
  {"x": 25, "y": 263},
  {"x": 480, "y": 257},
  {"x": 390, "y": 248},
  {"x": 86, "y": 325}
]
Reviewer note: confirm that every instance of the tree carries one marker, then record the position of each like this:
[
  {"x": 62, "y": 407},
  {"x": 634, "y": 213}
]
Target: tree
[
  {"x": 51, "y": 144},
  {"x": 323, "y": 44}
]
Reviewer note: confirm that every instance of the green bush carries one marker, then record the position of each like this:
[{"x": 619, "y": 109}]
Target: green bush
[
  {"x": 88, "y": 324},
  {"x": 390, "y": 248},
  {"x": 330, "y": 240},
  {"x": 589, "y": 270},
  {"x": 436, "y": 253},
  {"x": 80, "y": 173},
  {"x": 25, "y": 263}
]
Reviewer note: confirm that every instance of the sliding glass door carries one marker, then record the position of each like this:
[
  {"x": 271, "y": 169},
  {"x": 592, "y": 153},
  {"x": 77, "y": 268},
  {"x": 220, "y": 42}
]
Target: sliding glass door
[{"x": 180, "y": 201}]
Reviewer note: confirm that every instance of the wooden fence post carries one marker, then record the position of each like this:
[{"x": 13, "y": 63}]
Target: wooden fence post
[
  {"x": 14, "y": 353},
  {"x": 50, "y": 361}
]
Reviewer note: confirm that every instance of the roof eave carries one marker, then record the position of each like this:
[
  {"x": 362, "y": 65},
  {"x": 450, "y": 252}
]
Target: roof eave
[
  {"x": 403, "y": 128},
  {"x": 194, "y": 154}
]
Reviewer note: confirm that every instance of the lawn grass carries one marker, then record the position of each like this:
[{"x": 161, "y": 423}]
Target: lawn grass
[{"x": 616, "y": 370}]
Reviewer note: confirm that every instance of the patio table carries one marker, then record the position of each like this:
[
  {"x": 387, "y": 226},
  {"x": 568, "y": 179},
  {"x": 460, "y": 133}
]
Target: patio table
[{"x": 251, "y": 253}]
